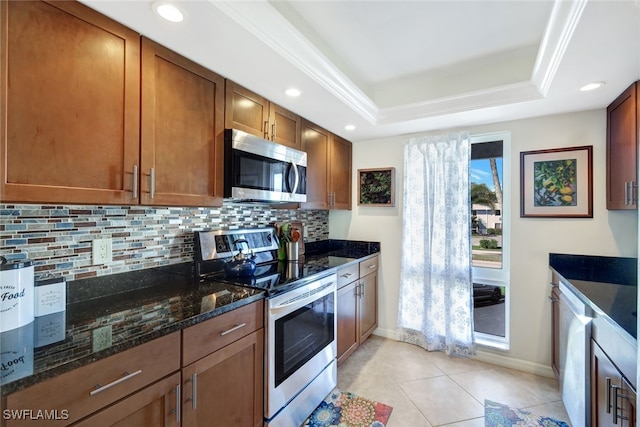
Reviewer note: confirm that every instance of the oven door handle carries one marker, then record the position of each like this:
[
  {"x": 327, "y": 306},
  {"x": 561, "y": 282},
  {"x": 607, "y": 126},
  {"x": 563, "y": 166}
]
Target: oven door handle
[{"x": 298, "y": 302}]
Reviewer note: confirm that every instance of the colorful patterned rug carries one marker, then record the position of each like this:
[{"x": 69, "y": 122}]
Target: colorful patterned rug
[
  {"x": 344, "y": 409},
  {"x": 498, "y": 415}
]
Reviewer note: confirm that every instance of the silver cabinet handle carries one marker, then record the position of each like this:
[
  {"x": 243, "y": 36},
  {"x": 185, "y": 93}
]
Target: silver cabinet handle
[
  {"x": 608, "y": 394},
  {"x": 362, "y": 292},
  {"x": 274, "y": 131},
  {"x": 266, "y": 129},
  {"x": 552, "y": 299},
  {"x": 346, "y": 275},
  {"x": 194, "y": 391},
  {"x": 135, "y": 182},
  {"x": 626, "y": 193},
  {"x": 615, "y": 403},
  {"x": 633, "y": 199},
  {"x": 152, "y": 183},
  {"x": 235, "y": 328},
  {"x": 371, "y": 266},
  {"x": 127, "y": 376},
  {"x": 176, "y": 411}
]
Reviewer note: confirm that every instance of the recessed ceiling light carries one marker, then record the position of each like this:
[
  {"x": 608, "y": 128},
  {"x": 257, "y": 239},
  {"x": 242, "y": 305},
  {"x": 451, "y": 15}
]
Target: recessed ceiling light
[
  {"x": 350, "y": 127},
  {"x": 169, "y": 12},
  {"x": 591, "y": 86},
  {"x": 292, "y": 92}
]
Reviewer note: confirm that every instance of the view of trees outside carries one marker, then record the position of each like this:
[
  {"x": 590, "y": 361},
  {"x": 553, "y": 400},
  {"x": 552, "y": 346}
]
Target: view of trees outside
[{"x": 486, "y": 211}]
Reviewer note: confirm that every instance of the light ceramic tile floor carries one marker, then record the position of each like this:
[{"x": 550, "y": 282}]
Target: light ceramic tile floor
[{"x": 428, "y": 389}]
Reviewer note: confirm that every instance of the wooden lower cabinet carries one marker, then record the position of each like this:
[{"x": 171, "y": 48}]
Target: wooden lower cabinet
[
  {"x": 612, "y": 398},
  {"x": 225, "y": 388},
  {"x": 357, "y": 306},
  {"x": 154, "y": 406},
  {"x": 347, "y": 320}
]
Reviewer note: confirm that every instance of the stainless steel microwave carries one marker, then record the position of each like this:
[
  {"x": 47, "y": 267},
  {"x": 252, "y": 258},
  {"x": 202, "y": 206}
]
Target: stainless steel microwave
[{"x": 257, "y": 170}]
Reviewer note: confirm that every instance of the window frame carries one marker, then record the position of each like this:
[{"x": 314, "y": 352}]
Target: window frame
[{"x": 499, "y": 276}]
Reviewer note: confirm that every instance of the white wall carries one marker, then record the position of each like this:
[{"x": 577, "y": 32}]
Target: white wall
[{"x": 608, "y": 233}]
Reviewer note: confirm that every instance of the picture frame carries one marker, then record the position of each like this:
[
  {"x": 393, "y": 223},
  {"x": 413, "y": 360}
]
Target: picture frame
[
  {"x": 557, "y": 183},
  {"x": 376, "y": 187}
]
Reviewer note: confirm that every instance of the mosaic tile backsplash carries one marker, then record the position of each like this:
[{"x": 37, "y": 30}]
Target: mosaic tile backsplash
[{"x": 59, "y": 238}]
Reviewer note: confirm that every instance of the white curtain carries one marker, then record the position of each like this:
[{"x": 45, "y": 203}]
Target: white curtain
[{"x": 436, "y": 303}]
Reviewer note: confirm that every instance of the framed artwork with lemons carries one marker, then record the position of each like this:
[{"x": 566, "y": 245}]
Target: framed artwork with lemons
[{"x": 557, "y": 183}]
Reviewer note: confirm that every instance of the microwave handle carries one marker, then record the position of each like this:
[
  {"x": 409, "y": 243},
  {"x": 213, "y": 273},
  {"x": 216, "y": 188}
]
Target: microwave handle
[{"x": 297, "y": 181}]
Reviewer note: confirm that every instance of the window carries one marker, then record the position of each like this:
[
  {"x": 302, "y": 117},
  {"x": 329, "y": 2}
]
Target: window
[{"x": 490, "y": 201}]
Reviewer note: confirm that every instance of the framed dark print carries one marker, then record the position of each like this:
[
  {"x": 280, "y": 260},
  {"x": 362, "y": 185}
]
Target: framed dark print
[
  {"x": 557, "y": 183},
  {"x": 376, "y": 187}
]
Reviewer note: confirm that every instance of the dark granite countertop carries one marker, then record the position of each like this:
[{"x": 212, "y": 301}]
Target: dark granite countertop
[
  {"x": 137, "y": 307},
  {"x": 606, "y": 284}
]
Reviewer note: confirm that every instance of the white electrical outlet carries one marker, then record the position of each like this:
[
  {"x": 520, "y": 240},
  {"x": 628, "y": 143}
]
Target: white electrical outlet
[
  {"x": 102, "y": 251},
  {"x": 102, "y": 338}
]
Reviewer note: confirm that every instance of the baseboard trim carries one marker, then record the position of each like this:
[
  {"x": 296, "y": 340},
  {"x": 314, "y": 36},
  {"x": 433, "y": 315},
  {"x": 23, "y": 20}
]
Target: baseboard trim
[{"x": 490, "y": 357}]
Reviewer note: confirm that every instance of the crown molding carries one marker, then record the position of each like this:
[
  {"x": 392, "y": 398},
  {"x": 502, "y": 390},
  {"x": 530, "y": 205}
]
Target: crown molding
[
  {"x": 562, "y": 23},
  {"x": 262, "y": 20},
  {"x": 267, "y": 24}
]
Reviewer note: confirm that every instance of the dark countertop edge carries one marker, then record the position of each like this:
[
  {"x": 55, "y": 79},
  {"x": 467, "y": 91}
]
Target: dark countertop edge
[
  {"x": 331, "y": 247},
  {"x": 597, "y": 310},
  {"x": 23, "y": 383}
]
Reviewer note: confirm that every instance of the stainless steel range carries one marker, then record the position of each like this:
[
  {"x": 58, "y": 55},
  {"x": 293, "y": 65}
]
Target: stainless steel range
[{"x": 300, "y": 321}]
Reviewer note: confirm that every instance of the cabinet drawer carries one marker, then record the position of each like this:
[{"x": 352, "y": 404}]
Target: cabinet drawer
[
  {"x": 92, "y": 387},
  {"x": 206, "y": 337},
  {"x": 368, "y": 266},
  {"x": 347, "y": 275}
]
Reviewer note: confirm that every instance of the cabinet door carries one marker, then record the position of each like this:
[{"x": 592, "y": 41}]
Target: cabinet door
[
  {"x": 225, "y": 388},
  {"x": 71, "y": 95},
  {"x": 340, "y": 175},
  {"x": 315, "y": 141},
  {"x": 347, "y": 312},
  {"x": 154, "y": 406},
  {"x": 286, "y": 127},
  {"x": 182, "y": 130},
  {"x": 604, "y": 377},
  {"x": 368, "y": 309},
  {"x": 246, "y": 111},
  {"x": 622, "y": 150}
]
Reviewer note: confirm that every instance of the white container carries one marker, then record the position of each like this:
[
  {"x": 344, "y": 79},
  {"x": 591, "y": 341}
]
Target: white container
[
  {"x": 16, "y": 353},
  {"x": 50, "y": 296},
  {"x": 49, "y": 329},
  {"x": 16, "y": 294}
]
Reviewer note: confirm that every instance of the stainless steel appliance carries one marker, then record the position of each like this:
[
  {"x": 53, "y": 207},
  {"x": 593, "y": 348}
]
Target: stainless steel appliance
[
  {"x": 300, "y": 337},
  {"x": 575, "y": 348},
  {"x": 259, "y": 170}
]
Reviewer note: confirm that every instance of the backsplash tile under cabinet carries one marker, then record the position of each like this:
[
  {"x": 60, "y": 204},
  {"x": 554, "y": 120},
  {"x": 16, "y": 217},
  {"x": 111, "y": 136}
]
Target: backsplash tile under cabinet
[{"x": 59, "y": 238}]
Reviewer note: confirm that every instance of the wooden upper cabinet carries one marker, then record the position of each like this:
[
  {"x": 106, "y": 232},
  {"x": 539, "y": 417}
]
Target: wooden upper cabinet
[
  {"x": 70, "y": 95},
  {"x": 340, "y": 173},
  {"x": 254, "y": 114},
  {"x": 328, "y": 168},
  {"x": 315, "y": 142},
  {"x": 182, "y": 130},
  {"x": 622, "y": 150}
]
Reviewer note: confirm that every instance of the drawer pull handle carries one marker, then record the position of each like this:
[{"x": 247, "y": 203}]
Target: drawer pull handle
[
  {"x": 127, "y": 376},
  {"x": 608, "y": 394},
  {"x": 235, "y": 328},
  {"x": 178, "y": 403},
  {"x": 372, "y": 266},
  {"x": 194, "y": 391},
  {"x": 135, "y": 181},
  {"x": 346, "y": 275}
]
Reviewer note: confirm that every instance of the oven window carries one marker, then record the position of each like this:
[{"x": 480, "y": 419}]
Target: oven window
[{"x": 301, "y": 335}]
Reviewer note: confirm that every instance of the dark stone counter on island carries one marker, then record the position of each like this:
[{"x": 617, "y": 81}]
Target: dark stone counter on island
[{"x": 606, "y": 284}]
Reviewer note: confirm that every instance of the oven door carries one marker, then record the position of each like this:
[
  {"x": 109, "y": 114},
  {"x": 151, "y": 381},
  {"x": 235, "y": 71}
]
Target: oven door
[
  {"x": 257, "y": 169},
  {"x": 301, "y": 340}
]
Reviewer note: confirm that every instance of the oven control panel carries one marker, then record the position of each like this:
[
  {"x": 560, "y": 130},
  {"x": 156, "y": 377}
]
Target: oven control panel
[{"x": 226, "y": 243}]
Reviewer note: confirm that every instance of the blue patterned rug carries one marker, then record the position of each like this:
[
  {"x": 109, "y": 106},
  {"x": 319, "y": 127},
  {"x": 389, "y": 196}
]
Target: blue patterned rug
[
  {"x": 499, "y": 415},
  {"x": 344, "y": 409}
]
